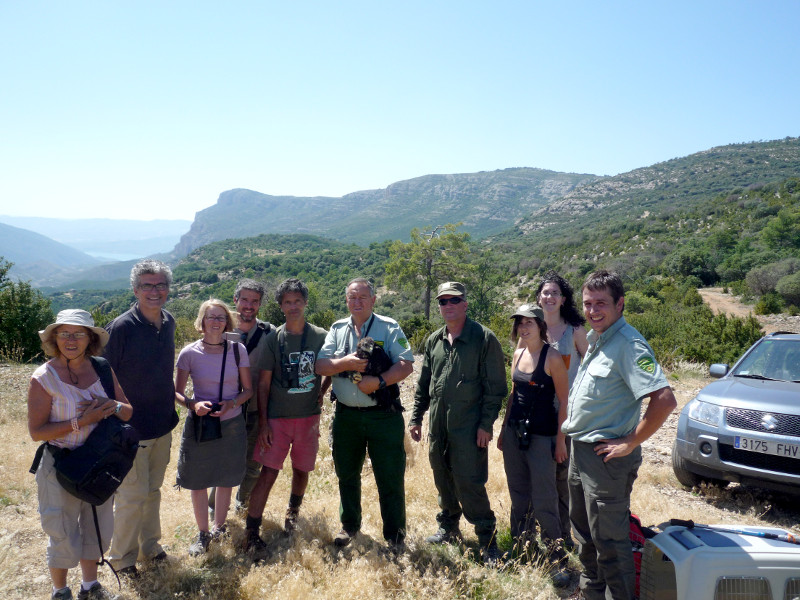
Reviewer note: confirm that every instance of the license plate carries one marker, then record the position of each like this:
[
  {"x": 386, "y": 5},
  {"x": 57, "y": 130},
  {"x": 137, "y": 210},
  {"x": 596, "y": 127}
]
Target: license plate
[{"x": 767, "y": 447}]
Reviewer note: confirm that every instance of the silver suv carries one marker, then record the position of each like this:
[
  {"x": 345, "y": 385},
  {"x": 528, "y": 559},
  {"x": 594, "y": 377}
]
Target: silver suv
[{"x": 746, "y": 426}]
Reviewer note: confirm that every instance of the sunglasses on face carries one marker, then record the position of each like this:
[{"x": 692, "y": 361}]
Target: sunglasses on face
[
  {"x": 453, "y": 300},
  {"x": 78, "y": 335}
]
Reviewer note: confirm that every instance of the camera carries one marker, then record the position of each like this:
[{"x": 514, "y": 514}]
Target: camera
[
  {"x": 522, "y": 427},
  {"x": 215, "y": 407}
]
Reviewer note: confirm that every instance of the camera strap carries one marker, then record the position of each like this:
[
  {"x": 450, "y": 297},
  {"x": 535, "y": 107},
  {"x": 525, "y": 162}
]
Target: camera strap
[
  {"x": 282, "y": 349},
  {"x": 353, "y": 329}
]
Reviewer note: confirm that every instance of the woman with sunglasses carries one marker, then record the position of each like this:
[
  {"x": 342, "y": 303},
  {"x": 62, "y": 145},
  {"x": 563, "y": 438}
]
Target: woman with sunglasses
[
  {"x": 65, "y": 402},
  {"x": 222, "y": 383}
]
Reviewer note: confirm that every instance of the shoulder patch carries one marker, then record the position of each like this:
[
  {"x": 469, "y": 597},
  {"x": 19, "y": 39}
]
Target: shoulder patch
[
  {"x": 403, "y": 342},
  {"x": 646, "y": 363}
]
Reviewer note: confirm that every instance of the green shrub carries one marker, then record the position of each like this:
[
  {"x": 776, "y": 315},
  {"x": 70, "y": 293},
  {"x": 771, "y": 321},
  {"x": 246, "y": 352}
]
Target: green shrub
[{"x": 769, "y": 304}]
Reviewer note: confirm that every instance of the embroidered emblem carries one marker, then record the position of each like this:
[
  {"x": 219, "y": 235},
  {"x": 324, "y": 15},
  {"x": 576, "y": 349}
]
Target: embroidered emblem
[
  {"x": 646, "y": 364},
  {"x": 403, "y": 342}
]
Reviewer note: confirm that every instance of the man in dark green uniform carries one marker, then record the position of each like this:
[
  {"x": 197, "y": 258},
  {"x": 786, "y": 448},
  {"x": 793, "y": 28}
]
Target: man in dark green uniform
[{"x": 463, "y": 382}]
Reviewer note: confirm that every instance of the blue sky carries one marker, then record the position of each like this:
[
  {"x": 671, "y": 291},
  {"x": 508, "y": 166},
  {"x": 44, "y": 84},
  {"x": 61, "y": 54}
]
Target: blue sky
[{"x": 151, "y": 109}]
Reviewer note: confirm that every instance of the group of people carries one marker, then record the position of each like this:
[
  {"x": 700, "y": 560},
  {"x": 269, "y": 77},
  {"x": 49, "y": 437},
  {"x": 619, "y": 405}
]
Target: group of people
[{"x": 570, "y": 438}]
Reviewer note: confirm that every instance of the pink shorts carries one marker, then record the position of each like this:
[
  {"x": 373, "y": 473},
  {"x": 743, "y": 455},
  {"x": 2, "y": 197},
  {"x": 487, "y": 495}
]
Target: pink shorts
[{"x": 301, "y": 434}]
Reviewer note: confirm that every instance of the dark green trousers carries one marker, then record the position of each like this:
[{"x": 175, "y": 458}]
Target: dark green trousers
[
  {"x": 460, "y": 472},
  {"x": 379, "y": 433}
]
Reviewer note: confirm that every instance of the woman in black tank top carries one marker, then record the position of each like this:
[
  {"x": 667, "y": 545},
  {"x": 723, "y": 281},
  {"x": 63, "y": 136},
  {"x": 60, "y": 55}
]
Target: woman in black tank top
[{"x": 531, "y": 438}]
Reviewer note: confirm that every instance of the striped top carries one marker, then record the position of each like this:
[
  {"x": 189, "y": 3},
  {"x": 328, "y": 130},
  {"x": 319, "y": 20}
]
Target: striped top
[{"x": 64, "y": 403}]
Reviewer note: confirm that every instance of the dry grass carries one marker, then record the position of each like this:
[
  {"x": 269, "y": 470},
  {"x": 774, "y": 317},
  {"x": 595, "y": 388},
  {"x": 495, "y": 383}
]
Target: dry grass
[{"x": 307, "y": 565}]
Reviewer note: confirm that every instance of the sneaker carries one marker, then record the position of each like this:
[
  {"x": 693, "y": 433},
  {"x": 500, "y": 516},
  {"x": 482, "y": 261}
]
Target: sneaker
[
  {"x": 343, "y": 538},
  {"x": 219, "y": 533},
  {"x": 254, "y": 542},
  {"x": 491, "y": 555},
  {"x": 62, "y": 594},
  {"x": 445, "y": 536},
  {"x": 560, "y": 578},
  {"x": 96, "y": 592},
  {"x": 200, "y": 544},
  {"x": 290, "y": 523}
]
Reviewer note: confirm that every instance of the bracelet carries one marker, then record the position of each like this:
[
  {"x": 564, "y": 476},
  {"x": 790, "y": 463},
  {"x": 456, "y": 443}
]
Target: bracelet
[
  {"x": 118, "y": 408},
  {"x": 75, "y": 426}
]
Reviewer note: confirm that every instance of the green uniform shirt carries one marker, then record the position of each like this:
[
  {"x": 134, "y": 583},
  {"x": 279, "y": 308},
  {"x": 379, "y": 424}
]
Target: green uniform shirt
[
  {"x": 342, "y": 340},
  {"x": 299, "y": 398},
  {"x": 463, "y": 384},
  {"x": 618, "y": 371}
]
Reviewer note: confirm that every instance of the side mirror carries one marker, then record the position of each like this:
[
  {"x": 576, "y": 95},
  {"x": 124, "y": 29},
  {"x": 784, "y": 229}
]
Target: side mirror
[{"x": 718, "y": 370}]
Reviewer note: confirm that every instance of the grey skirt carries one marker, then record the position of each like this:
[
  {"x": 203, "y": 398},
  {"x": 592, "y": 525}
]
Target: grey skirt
[{"x": 218, "y": 463}]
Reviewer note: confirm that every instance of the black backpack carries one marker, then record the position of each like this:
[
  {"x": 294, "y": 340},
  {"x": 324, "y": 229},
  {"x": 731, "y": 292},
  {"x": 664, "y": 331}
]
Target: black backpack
[{"x": 93, "y": 472}]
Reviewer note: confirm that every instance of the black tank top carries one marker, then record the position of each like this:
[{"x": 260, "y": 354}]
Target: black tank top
[{"x": 535, "y": 397}]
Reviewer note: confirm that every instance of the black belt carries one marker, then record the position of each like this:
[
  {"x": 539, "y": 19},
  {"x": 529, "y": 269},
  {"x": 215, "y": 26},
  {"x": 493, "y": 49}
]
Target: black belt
[{"x": 359, "y": 408}]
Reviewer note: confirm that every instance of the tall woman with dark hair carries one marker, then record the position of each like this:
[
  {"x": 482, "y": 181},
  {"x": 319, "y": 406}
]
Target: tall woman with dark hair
[
  {"x": 566, "y": 334},
  {"x": 531, "y": 438}
]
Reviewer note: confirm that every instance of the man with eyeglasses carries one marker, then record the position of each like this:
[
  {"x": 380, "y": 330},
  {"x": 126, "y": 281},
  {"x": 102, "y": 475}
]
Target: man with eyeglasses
[
  {"x": 463, "y": 382},
  {"x": 360, "y": 424},
  {"x": 141, "y": 350},
  {"x": 252, "y": 333}
]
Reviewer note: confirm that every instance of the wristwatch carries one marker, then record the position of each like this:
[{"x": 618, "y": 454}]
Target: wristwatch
[
  {"x": 118, "y": 408},
  {"x": 382, "y": 383}
]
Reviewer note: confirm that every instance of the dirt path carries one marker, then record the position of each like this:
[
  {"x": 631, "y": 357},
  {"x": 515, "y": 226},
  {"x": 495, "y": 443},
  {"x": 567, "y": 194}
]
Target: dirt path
[{"x": 730, "y": 305}]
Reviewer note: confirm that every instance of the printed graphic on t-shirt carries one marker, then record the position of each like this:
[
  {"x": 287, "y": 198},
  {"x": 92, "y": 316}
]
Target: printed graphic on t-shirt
[{"x": 305, "y": 371}]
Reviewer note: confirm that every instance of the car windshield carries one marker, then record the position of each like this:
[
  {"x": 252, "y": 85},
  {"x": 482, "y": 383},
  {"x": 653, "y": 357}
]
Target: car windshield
[{"x": 772, "y": 359}]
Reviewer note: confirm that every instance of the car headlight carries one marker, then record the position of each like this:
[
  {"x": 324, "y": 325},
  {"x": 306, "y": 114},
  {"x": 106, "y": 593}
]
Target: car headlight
[{"x": 705, "y": 412}]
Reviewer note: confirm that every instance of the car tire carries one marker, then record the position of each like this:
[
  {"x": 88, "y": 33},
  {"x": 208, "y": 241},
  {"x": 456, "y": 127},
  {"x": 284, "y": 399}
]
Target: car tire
[{"x": 686, "y": 477}]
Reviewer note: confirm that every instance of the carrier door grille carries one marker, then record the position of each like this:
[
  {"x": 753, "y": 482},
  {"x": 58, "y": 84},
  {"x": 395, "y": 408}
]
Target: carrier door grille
[
  {"x": 792, "y": 589},
  {"x": 742, "y": 588}
]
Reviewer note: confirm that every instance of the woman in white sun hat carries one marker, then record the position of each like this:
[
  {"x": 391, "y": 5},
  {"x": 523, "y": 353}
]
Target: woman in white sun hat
[{"x": 65, "y": 402}]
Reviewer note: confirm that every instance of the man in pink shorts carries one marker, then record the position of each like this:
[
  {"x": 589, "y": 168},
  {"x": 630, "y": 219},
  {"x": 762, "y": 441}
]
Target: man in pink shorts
[{"x": 289, "y": 407}]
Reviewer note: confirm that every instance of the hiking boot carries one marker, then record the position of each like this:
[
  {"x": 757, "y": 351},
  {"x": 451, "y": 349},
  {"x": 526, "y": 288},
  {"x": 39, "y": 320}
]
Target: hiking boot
[
  {"x": 96, "y": 592},
  {"x": 560, "y": 578},
  {"x": 491, "y": 555},
  {"x": 343, "y": 538},
  {"x": 130, "y": 572},
  {"x": 254, "y": 542},
  {"x": 445, "y": 536},
  {"x": 62, "y": 594},
  {"x": 200, "y": 544},
  {"x": 290, "y": 523},
  {"x": 219, "y": 533}
]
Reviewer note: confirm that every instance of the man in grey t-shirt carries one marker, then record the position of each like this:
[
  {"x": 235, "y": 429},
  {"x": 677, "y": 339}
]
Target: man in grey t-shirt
[{"x": 289, "y": 407}]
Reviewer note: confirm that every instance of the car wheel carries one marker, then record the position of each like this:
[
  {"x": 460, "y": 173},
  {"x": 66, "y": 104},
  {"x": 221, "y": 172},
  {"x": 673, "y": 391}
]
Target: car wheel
[{"x": 689, "y": 479}]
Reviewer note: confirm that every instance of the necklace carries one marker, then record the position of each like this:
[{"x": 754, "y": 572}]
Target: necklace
[{"x": 222, "y": 343}]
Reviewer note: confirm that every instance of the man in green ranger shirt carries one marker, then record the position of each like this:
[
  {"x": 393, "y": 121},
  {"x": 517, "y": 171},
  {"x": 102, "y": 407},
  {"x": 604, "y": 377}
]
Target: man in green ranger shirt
[
  {"x": 617, "y": 373},
  {"x": 463, "y": 382}
]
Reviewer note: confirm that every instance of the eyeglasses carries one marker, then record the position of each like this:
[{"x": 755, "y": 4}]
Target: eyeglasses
[
  {"x": 218, "y": 318},
  {"x": 550, "y": 294},
  {"x": 149, "y": 287},
  {"x": 66, "y": 335},
  {"x": 453, "y": 300}
]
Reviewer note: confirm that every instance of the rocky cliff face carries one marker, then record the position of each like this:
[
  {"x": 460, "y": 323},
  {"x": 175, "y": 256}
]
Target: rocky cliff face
[{"x": 485, "y": 202}]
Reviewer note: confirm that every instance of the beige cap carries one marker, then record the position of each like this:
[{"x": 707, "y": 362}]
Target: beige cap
[{"x": 529, "y": 310}]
